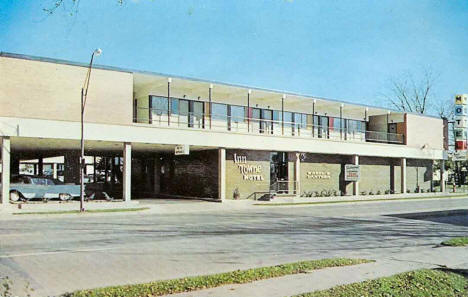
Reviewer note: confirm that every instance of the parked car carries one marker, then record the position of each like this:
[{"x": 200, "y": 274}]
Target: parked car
[{"x": 27, "y": 187}]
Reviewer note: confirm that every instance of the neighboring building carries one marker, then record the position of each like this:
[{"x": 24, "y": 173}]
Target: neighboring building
[{"x": 242, "y": 140}]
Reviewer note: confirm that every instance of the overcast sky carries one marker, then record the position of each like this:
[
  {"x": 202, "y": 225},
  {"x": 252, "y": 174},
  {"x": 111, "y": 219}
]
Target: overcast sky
[{"x": 346, "y": 50}]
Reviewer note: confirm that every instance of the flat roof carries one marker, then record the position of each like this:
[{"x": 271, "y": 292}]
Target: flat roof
[{"x": 144, "y": 72}]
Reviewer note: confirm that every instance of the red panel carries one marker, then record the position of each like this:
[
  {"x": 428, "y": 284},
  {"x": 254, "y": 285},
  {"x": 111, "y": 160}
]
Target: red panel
[{"x": 460, "y": 145}]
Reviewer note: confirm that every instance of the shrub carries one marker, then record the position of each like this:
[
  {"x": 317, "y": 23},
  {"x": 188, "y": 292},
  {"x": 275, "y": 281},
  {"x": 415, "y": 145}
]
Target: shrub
[
  {"x": 387, "y": 192},
  {"x": 236, "y": 193},
  {"x": 363, "y": 193},
  {"x": 378, "y": 193},
  {"x": 371, "y": 193}
]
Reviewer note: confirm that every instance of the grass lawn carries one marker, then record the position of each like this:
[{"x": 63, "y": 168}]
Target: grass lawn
[
  {"x": 419, "y": 283},
  {"x": 354, "y": 201},
  {"x": 457, "y": 241},
  {"x": 78, "y": 212},
  {"x": 193, "y": 283}
]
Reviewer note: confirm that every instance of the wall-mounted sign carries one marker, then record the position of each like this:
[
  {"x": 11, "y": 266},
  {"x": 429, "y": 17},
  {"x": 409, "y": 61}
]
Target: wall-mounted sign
[
  {"x": 248, "y": 171},
  {"x": 461, "y": 126},
  {"x": 352, "y": 172},
  {"x": 318, "y": 175},
  {"x": 182, "y": 149}
]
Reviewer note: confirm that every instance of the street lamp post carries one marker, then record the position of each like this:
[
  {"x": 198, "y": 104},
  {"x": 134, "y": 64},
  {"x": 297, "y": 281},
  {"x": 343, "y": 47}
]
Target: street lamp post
[{"x": 84, "y": 94}]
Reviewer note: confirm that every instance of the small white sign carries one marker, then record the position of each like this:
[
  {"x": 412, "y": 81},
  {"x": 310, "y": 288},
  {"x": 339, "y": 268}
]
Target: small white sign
[
  {"x": 352, "y": 172},
  {"x": 182, "y": 149},
  {"x": 459, "y": 155}
]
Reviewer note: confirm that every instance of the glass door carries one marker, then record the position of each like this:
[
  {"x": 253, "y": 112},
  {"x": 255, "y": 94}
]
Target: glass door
[
  {"x": 183, "y": 113},
  {"x": 255, "y": 122},
  {"x": 196, "y": 119},
  {"x": 266, "y": 125},
  {"x": 279, "y": 172}
]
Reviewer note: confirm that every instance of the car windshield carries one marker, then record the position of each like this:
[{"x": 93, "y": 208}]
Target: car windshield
[{"x": 39, "y": 181}]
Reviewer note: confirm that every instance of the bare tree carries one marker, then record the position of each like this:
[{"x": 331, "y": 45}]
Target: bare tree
[
  {"x": 70, "y": 6},
  {"x": 445, "y": 108},
  {"x": 410, "y": 94}
]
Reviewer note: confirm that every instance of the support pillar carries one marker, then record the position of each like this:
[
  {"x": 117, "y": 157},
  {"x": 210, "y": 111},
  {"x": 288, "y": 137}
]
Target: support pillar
[
  {"x": 5, "y": 142},
  {"x": 54, "y": 170},
  {"x": 127, "y": 172},
  {"x": 356, "y": 183},
  {"x": 297, "y": 174},
  {"x": 40, "y": 166},
  {"x": 94, "y": 170},
  {"x": 442, "y": 180},
  {"x": 210, "y": 104},
  {"x": 222, "y": 174},
  {"x": 15, "y": 164},
  {"x": 169, "y": 80},
  {"x": 72, "y": 167},
  {"x": 282, "y": 114},
  {"x": 341, "y": 121},
  {"x": 248, "y": 109},
  {"x": 403, "y": 175},
  {"x": 313, "y": 117}
]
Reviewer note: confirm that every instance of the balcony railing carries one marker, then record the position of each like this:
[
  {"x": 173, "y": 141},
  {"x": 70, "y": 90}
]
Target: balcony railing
[{"x": 218, "y": 122}]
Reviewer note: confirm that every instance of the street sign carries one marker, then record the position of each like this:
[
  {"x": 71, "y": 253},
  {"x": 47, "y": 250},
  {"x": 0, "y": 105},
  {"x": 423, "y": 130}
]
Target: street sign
[
  {"x": 182, "y": 149},
  {"x": 352, "y": 172}
]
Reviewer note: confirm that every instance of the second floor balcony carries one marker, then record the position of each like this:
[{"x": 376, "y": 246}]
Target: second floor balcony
[{"x": 191, "y": 114}]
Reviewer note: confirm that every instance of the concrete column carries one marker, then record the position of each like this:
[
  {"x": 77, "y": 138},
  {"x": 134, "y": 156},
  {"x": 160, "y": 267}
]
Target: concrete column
[
  {"x": 356, "y": 183},
  {"x": 157, "y": 176},
  {"x": 222, "y": 174},
  {"x": 442, "y": 171},
  {"x": 403, "y": 175},
  {"x": 54, "y": 170},
  {"x": 72, "y": 167},
  {"x": 297, "y": 174},
  {"x": 5, "y": 142},
  {"x": 15, "y": 164},
  {"x": 40, "y": 166},
  {"x": 127, "y": 171}
]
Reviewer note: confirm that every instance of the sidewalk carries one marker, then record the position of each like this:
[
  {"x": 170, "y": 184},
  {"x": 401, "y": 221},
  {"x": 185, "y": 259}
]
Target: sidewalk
[
  {"x": 175, "y": 206},
  {"x": 330, "y": 277},
  {"x": 363, "y": 198}
]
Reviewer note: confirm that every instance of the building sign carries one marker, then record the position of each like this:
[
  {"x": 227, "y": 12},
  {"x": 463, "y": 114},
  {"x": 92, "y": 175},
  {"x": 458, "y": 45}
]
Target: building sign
[
  {"x": 461, "y": 127},
  {"x": 318, "y": 174},
  {"x": 182, "y": 149},
  {"x": 352, "y": 172},
  {"x": 248, "y": 171}
]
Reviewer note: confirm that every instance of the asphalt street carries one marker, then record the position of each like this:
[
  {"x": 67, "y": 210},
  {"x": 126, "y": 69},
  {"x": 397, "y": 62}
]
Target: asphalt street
[{"x": 63, "y": 253}]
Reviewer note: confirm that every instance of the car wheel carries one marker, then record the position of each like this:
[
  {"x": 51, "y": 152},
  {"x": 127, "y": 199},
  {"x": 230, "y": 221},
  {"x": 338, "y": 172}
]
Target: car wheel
[
  {"x": 64, "y": 196},
  {"x": 15, "y": 196}
]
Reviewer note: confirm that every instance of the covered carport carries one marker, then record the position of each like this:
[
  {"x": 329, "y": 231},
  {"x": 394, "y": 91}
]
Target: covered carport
[{"x": 136, "y": 170}]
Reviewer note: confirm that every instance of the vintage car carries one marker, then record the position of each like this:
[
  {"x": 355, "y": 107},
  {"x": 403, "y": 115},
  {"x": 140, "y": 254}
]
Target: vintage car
[{"x": 26, "y": 187}]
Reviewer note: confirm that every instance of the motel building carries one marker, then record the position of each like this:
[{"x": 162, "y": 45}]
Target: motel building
[{"x": 236, "y": 142}]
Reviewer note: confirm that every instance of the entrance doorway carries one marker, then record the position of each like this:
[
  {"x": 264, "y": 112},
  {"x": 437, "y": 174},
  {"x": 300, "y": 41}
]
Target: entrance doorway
[{"x": 279, "y": 172}]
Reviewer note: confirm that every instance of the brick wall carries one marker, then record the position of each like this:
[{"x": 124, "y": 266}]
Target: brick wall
[
  {"x": 235, "y": 179},
  {"x": 324, "y": 173},
  {"x": 194, "y": 175}
]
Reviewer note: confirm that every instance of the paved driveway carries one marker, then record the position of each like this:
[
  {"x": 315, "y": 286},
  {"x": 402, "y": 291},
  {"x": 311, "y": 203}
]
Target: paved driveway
[{"x": 62, "y": 253}]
